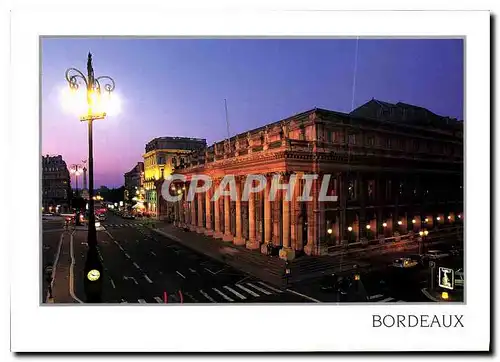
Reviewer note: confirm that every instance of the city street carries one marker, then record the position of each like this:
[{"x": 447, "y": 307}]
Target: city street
[{"x": 143, "y": 267}]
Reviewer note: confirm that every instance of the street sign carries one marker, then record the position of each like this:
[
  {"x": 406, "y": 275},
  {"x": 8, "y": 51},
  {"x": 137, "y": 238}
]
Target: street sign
[
  {"x": 446, "y": 278},
  {"x": 432, "y": 264}
]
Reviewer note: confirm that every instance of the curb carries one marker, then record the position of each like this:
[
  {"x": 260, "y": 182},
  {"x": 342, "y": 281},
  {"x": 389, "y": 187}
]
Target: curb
[{"x": 429, "y": 296}]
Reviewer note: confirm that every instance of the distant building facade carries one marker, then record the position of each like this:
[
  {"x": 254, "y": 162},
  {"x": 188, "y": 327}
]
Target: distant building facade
[
  {"x": 395, "y": 168},
  {"x": 56, "y": 184},
  {"x": 158, "y": 164},
  {"x": 134, "y": 182}
]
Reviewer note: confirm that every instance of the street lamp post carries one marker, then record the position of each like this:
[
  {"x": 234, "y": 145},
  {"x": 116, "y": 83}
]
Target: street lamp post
[
  {"x": 76, "y": 170},
  {"x": 93, "y": 267},
  {"x": 423, "y": 234}
]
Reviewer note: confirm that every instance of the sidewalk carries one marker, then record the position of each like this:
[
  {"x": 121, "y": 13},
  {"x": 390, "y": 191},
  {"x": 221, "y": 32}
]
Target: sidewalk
[
  {"x": 268, "y": 268},
  {"x": 455, "y": 296},
  {"x": 62, "y": 284}
]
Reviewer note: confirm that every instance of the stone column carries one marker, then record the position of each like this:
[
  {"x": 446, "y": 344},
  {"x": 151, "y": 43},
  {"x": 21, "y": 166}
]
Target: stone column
[
  {"x": 217, "y": 226},
  {"x": 208, "y": 212},
  {"x": 200, "y": 229},
  {"x": 276, "y": 218},
  {"x": 192, "y": 224},
  {"x": 321, "y": 216},
  {"x": 293, "y": 217},
  {"x": 181, "y": 212},
  {"x": 238, "y": 240},
  {"x": 310, "y": 247},
  {"x": 267, "y": 217},
  {"x": 286, "y": 252},
  {"x": 252, "y": 240},
  {"x": 342, "y": 180},
  {"x": 362, "y": 203},
  {"x": 227, "y": 219},
  {"x": 176, "y": 213}
]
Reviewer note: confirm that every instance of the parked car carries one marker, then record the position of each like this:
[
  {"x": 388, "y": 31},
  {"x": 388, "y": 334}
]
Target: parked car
[
  {"x": 436, "y": 254},
  {"x": 335, "y": 284},
  {"x": 404, "y": 263},
  {"x": 329, "y": 283}
]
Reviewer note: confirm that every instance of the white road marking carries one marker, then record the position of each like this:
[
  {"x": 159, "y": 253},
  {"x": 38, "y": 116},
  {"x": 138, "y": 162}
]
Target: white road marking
[
  {"x": 112, "y": 283},
  {"x": 180, "y": 274},
  {"x": 251, "y": 292},
  {"x": 208, "y": 270},
  {"x": 142, "y": 301},
  {"x": 385, "y": 300},
  {"x": 270, "y": 287},
  {"x": 124, "y": 301},
  {"x": 158, "y": 299},
  {"x": 153, "y": 253},
  {"x": 400, "y": 301},
  {"x": 259, "y": 289},
  {"x": 303, "y": 295},
  {"x": 132, "y": 278},
  {"x": 190, "y": 296},
  {"x": 207, "y": 296},
  {"x": 239, "y": 295},
  {"x": 147, "y": 278},
  {"x": 375, "y": 296},
  {"x": 135, "y": 264},
  {"x": 192, "y": 270},
  {"x": 71, "y": 273},
  {"x": 223, "y": 295}
]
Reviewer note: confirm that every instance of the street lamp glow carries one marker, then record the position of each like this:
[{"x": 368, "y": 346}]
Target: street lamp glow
[
  {"x": 329, "y": 231},
  {"x": 368, "y": 227},
  {"x": 426, "y": 220},
  {"x": 349, "y": 228},
  {"x": 384, "y": 224},
  {"x": 421, "y": 233},
  {"x": 400, "y": 222},
  {"x": 438, "y": 218},
  {"x": 459, "y": 216},
  {"x": 426, "y": 232},
  {"x": 413, "y": 221},
  {"x": 449, "y": 217}
]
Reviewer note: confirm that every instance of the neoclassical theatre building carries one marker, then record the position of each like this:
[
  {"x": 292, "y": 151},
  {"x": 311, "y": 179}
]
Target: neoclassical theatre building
[{"x": 394, "y": 167}]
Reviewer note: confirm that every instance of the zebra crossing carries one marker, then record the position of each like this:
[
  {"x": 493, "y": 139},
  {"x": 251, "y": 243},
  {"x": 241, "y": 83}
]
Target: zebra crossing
[
  {"x": 381, "y": 298},
  {"x": 236, "y": 293},
  {"x": 124, "y": 225}
]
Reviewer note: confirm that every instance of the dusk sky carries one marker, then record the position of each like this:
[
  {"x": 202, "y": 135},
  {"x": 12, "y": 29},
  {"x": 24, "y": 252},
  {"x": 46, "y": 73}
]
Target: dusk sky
[{"x": 177, "y": 87}]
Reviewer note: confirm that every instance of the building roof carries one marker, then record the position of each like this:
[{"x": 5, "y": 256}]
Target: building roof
[{"x": 404, "y": 113}]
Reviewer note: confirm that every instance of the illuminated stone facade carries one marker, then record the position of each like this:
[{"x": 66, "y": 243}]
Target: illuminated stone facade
[
  {"x": 133, "y": 182},
  {"x": 392, "y": 166},
  {"x": 56, "y": 186},
  {"x": 158, "y": 164}
]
